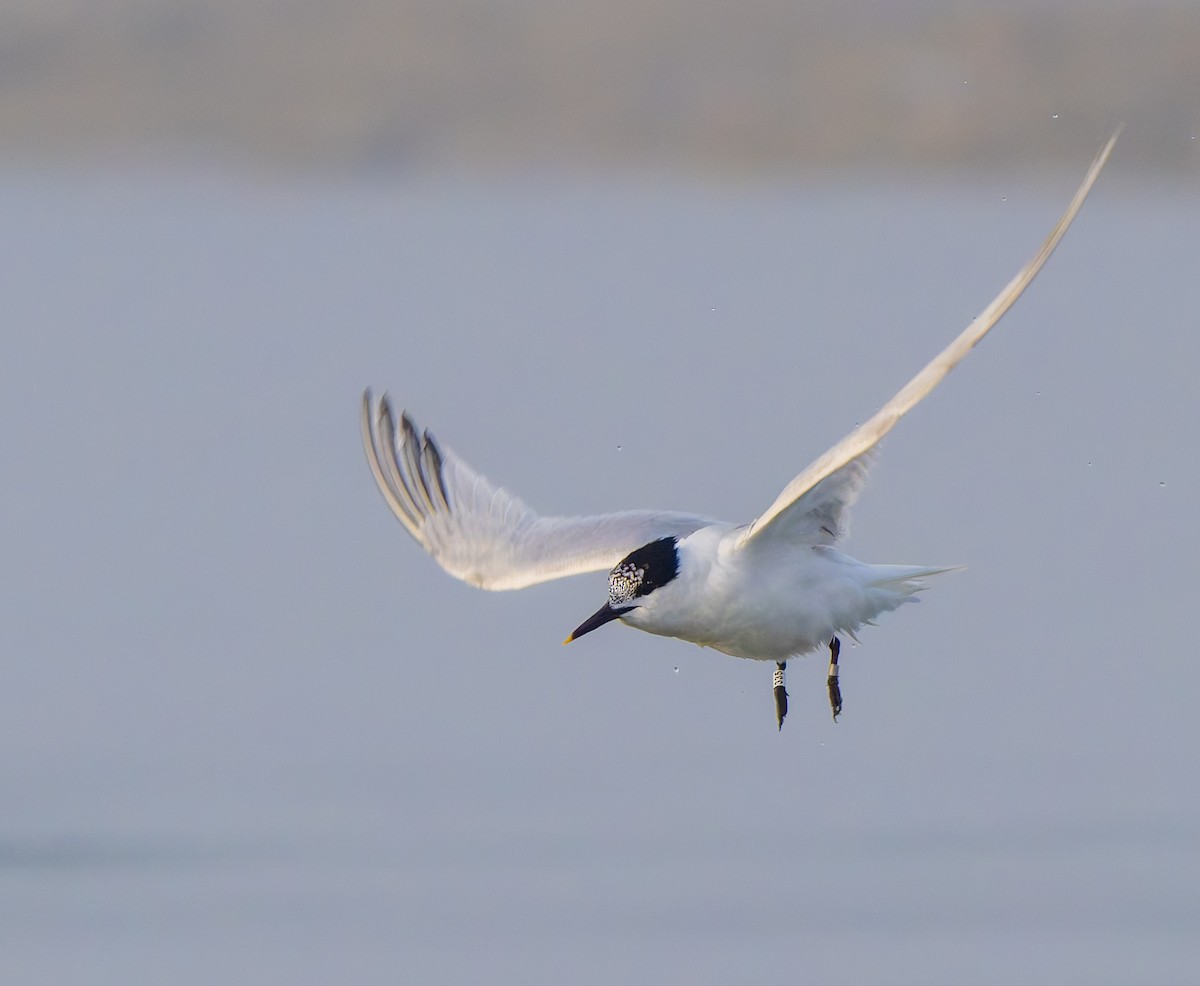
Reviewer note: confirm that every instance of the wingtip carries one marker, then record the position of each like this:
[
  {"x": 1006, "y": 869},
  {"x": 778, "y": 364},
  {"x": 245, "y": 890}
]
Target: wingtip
[
  {"x": 383, "y": 408},
  {"x": 1107, "y": 149}
]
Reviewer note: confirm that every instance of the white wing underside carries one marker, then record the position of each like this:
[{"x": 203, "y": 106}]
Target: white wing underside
[
  {"x": 812, "y": 507},
  {"x": 481, "y": 533}
]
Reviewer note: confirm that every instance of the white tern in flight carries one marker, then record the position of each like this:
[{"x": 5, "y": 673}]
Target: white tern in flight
[{"x": 769, "y": 590}]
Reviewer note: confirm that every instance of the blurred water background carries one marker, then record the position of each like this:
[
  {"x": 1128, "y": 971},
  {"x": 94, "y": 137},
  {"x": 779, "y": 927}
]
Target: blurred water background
[{"x": 617, "y": 255}]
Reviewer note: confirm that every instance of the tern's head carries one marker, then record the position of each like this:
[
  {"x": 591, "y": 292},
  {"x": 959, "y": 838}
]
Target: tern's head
[{"x": 639, "y": 573}]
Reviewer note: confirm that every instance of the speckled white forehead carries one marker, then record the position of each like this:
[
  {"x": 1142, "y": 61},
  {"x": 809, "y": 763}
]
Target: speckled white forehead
[{"x": 623, "y": 583}]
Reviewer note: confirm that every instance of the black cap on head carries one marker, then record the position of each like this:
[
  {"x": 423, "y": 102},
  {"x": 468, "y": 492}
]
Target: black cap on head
[{"x": 642, "y": 571}]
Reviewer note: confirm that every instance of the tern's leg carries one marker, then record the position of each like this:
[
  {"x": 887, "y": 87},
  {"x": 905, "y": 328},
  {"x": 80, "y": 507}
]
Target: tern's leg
[
  {"x": 780, "y": 693},
  {"x": 835, "y": 693}
]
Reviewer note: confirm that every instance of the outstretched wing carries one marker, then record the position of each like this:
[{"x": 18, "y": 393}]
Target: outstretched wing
[
  {"x": 813, "y": 506},
  {"x": 483, "y": 534}
]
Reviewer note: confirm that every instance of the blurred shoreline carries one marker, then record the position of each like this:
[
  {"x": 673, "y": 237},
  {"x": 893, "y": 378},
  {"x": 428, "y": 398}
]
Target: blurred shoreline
[{"x": 759, "y": 88}]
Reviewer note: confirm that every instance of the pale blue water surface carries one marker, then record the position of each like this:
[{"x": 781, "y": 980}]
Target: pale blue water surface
[{"x": 249, "y": 733}]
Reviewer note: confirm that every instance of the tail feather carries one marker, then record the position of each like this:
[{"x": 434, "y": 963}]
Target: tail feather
[
  {"x": 905, "y": 579},
  {"x": 887, "y": 587},
  {"x": 860, "y": 592}
]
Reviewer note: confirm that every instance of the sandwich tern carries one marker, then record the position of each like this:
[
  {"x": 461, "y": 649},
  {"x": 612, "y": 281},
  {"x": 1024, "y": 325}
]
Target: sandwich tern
[{"x": 770, "y": 590}]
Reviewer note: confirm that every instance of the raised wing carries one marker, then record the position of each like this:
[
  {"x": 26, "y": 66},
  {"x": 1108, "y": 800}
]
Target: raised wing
[
  {"x": 813, "y": 505},
  {"x": 479, "y": 532}
]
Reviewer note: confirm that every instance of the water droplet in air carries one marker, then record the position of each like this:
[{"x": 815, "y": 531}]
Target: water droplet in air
[
  {"x": 1003, "y": 198},
  {"x": 677, "y": 670},
  {"x": 1162, "y": 483},
  {"x": 1053, "y": 116},
  {"x": 618, "y": 448}
]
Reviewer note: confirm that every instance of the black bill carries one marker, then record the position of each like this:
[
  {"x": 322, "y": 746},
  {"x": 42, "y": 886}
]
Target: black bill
[{"x": 605, "y": 614}]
